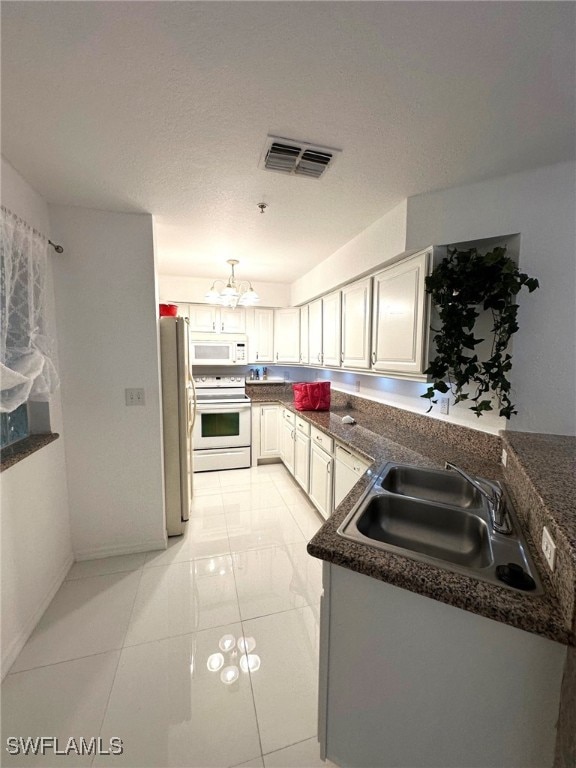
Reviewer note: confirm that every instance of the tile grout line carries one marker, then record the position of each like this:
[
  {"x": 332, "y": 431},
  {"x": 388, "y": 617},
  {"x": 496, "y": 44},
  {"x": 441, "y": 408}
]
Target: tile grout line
[
  {"x": 62, "y": 661},
  {"x": 249, "y": 673},
  {"x": 280, "y": 749},
  {"x": 119, "y": 658}
]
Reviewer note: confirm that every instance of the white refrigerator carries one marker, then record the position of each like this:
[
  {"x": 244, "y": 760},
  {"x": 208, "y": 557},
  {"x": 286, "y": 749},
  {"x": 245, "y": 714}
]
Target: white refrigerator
[{"x": 178, "y": 413}]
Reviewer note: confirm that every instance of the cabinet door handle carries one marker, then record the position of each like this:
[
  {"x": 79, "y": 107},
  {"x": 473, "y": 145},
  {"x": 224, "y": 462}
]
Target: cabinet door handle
[
  {"x": 328, "y": 468},
  {"x": 373, "y": 358},
  {"x": 214, "y": 326},
  {"x": 222, "y": 326},
  {"x": 276, "y": 355},
  {"x": 319, "y": 356},
  {"x": 341, "y": 357},
  {"x": 256, "y": 355}
]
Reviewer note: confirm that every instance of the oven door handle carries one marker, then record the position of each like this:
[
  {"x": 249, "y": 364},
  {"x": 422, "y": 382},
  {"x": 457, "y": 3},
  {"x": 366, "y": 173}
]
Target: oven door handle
[{"x": 206, "y": 407}]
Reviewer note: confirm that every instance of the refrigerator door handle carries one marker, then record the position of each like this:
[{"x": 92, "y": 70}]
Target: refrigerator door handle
[{"x": 192, "y": 405}]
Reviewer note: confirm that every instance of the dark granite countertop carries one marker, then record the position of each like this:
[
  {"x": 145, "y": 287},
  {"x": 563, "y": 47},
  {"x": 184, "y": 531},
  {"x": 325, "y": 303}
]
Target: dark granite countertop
[
  {"x": 384, "y": 434},
  {"x": 15, "y": 453}
]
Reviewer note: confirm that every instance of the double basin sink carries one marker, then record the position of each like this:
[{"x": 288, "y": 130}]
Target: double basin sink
[{"x": 437, "y": 516}]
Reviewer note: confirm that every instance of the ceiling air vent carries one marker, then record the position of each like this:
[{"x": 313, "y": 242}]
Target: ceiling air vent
[
  {"x": 281, "y": 157},
  {"x": 296, "y": 158}
]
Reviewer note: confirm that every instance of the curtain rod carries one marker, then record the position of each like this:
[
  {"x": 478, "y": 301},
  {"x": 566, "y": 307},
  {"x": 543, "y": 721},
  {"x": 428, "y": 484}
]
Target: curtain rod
[{"x": 57, "y": 248}]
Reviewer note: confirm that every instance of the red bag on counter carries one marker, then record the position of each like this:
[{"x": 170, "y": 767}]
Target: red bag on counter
[{"x": 312, "y": 396}]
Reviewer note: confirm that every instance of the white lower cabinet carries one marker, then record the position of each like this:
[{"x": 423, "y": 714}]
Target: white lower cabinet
[
  {"x": 287, "y": 430},
  {"x": 321, "y": 472},
  {"x": 302, "y": 453},
  {"x": 409, "y": 681},
  {"x": 326, "y": 471},
  {"x": 265, "y": 431},
  {"x": 269, "y": 431}
]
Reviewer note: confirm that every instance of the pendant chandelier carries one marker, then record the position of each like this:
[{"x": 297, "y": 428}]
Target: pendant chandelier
[{"x": 234, "y": 292}]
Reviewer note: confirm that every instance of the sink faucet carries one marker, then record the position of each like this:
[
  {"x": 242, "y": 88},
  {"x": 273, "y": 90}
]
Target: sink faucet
[{"x": 495, "y": 499}]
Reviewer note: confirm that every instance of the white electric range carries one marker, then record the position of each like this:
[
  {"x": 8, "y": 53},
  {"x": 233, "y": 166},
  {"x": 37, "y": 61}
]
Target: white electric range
[{"x": 222, "y": 430}]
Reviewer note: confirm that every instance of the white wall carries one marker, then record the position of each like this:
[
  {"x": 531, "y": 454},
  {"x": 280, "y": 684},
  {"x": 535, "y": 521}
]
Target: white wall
[
  {"x": 35, "y": 528},
  {"x": 193, "y": 289},
  {"x": 378, "y": 243},
  {"x": 107, "y": 323},
  {"x": 540, "y": 205}
]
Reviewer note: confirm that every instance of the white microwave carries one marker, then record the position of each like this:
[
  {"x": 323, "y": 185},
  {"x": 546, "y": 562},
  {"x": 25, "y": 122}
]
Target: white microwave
[{"x": 207, "y": 352}]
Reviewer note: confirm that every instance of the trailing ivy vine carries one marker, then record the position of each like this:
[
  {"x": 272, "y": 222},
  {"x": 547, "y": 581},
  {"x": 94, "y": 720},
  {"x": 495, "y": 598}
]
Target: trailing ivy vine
[{"x": 461, "y": 286}]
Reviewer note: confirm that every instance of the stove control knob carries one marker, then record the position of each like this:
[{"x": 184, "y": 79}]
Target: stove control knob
[{"x": 203, "y": 378}]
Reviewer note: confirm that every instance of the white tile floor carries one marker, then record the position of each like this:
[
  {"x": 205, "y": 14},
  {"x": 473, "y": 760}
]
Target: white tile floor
[{"x": 123, "y": 648}]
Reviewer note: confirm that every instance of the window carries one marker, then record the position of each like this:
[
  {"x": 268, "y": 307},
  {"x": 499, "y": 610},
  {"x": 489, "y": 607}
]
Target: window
[{"x": 27, "y": 373}]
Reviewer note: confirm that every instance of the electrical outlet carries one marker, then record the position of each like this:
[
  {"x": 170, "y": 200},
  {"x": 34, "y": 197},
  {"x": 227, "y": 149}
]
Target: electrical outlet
[
  {"x": 444, "y": 405},
  {"x": 134, "y": 396},
  {"x": 548, "y": 548},
  {"x": 504, "y": 457},
  {"x": 357, "y": 385}
]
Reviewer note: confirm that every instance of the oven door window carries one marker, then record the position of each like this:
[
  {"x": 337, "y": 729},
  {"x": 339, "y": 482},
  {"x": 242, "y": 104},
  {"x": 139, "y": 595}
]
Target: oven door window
[{"x": 220, "y": 424}]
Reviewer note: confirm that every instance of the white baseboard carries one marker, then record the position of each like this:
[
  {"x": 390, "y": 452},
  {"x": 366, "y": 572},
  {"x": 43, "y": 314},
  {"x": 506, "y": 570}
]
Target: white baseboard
[
  {"x": 120, "y": 549},
  {"x": 10, "y": 653}
]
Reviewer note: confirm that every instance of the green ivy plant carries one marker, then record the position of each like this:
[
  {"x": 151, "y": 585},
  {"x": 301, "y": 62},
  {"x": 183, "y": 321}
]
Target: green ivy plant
[{"x": 462, "y": 285}]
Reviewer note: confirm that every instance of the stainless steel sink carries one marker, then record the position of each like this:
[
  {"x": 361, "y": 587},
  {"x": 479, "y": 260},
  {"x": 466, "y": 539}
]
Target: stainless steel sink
[
  {"x": 430, "y": 529},
  {"x": 435, "y": 516},
  {"x": 431, "y": 485}
]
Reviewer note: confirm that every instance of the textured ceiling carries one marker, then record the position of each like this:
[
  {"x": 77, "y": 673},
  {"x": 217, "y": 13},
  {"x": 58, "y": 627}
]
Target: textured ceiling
[{"x": 164, "y": 107}]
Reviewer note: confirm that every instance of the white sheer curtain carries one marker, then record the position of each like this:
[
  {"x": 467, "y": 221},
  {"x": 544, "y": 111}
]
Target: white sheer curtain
[{"x": 26, "y": 368}]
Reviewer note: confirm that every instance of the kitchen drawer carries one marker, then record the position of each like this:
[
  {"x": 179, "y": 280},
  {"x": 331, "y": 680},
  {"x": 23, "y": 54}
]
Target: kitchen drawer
[
  {"x": 351, "y": 460},
  {"x": 302, "y": 425},
  {"x": 289, "y": 417},
  {"x": 320, "y": 438}
]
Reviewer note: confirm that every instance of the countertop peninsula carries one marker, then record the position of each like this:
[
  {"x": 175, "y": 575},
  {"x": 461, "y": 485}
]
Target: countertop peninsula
[{"x": 383, "y": 433}]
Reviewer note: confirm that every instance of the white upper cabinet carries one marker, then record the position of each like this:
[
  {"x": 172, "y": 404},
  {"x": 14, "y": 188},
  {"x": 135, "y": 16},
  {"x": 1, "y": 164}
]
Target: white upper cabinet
[
  {"x": 304, "y": 340},
  {"x": 356, "y": 323},
  {"x": 232, "y": 320},
  {"x": 205, "y": 318},
  {"x": 315, "y": 332},
  {"x": 287, "y": 335},
  {"x": 399, "y": 325},
  {"x": 331, "y": 329},
  {"x": 260, "y": 330}
]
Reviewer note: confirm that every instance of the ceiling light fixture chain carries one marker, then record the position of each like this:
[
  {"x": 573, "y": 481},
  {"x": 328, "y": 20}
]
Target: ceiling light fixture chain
[{"x": 234, "y": 292}]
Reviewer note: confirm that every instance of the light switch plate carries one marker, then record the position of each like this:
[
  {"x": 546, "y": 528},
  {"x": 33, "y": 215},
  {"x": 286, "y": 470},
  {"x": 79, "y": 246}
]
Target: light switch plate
[{"x": 135, "y": 397}]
